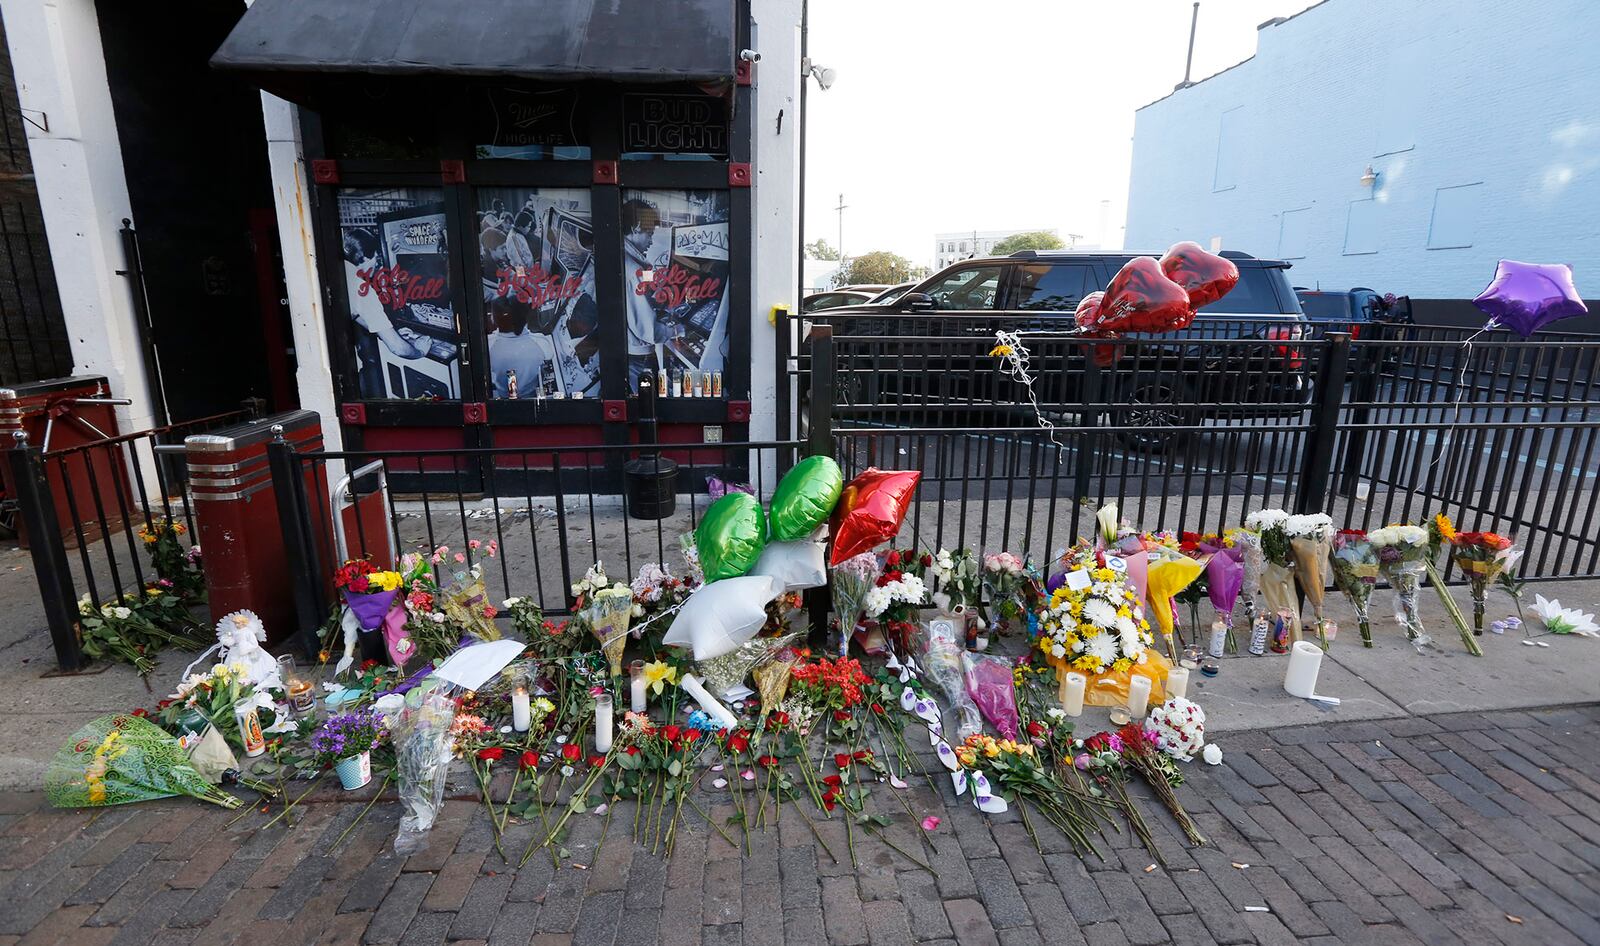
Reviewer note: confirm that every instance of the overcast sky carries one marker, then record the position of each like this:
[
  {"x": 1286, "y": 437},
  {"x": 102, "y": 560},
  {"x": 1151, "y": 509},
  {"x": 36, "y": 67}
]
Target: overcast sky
[{"x": 997, "y": 114}]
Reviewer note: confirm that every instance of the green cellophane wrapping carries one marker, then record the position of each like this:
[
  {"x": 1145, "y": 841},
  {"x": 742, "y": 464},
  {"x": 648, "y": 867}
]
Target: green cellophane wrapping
[{"x": 119, "y": 759}]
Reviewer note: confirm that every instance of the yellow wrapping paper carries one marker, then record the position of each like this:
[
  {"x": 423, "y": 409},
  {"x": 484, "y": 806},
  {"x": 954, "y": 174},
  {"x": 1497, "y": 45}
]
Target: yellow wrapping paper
[
  {"x": 1111, "y": 688},
  {"x": 1169, "y": 572},
  {"x": 1311, "y": 569}
]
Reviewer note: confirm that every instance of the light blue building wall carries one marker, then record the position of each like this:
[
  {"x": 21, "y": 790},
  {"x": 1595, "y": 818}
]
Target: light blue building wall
[{"x": 1480, "y": 118}]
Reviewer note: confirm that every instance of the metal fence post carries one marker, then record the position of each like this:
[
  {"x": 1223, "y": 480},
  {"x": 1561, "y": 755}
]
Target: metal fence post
[
  {"x": 819, "y": 442},
  {"x": 819, "y": 438},
  {"x": 1327, "y": 402},
  {"x": 299, "y": 542},
  {"x": 1370, "y": 365},
  {"x": 36, "y": 506},
  {"x": 1088, "y": 419}
]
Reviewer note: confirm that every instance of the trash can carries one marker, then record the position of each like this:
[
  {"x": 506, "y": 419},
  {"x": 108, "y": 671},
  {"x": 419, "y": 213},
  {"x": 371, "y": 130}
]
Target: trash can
[
  {"x": 649, "y": 485},
  {"x": 56, "y": 414},
  {"x": 236, "y": 516}
]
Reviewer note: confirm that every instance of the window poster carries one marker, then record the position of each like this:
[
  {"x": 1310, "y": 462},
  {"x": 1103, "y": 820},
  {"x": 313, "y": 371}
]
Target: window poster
[
  {"x": 676, "y": 270},
  {"x": 397, "y": 281},
  {"x": 536, "y": 265}
]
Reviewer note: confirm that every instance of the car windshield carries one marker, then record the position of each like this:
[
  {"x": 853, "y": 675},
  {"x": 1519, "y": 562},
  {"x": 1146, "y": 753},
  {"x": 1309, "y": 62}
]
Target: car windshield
[
  {"x": 1261, "y": 290},
  {"x": 1324, "y": 306},
  {"x": 890, "y": 294}
]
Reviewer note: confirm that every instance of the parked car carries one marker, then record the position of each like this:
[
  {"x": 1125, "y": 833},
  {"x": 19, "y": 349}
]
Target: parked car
[
  {"x": 1353, "y": 308},
  {"x": 833, "y": 299},
  {"x": 891, "y": 294},
  {"x": 1155, "y": 380}
]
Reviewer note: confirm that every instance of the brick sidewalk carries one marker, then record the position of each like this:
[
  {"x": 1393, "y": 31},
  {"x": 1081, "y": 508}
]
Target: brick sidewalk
[{"x": 1412, "y": 830}]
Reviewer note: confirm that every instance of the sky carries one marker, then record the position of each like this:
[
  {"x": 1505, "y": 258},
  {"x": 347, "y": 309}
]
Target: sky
[{"x": 998, "y": 115}]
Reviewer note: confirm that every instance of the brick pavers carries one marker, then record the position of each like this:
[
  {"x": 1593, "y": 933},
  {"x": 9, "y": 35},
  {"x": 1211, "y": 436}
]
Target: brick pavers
[{"x": 1417, "y": 830}]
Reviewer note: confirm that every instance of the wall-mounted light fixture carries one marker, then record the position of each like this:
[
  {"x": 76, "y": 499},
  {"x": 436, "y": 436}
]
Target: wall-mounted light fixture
[
  {"x": 1369, "y": 177},
  {"x": 825, "y": 77}
]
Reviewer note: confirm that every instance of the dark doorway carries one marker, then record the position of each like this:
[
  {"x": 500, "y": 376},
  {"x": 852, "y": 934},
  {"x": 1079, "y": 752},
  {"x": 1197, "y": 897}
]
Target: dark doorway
[{"x": 196, "y": 163}]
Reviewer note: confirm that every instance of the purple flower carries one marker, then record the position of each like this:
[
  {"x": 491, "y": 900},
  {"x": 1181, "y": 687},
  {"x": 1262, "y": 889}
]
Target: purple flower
[{"x": 1082, "y": 761}]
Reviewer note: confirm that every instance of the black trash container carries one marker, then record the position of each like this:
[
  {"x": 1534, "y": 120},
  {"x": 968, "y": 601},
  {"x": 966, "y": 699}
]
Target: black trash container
[{"x": 650, "y": 487}]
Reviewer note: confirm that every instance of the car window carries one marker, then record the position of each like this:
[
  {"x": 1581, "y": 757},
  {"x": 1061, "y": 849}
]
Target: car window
[
  {"x": 889, "y": 295},
  {"x": 965, "y": 289},
  {"x": 833, "y": 300},
  {"x": 1049, "y": 287},
  {"x": 1258, "y": 292},
  {"x": 1323, "y": 307}
]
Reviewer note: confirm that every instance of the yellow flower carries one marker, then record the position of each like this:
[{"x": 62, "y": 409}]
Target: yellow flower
[
  {"x": 1002, "y": 351},
  {"x": 1447, "y": 529},
  {"x": 544, "y": 706},
  {"x": 658, "y": 674},
  {"x": 991, "y": 750},
  {"x": 967, "y": 757}
]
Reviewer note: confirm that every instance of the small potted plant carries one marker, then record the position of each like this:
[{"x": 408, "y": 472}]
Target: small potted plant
[{"x": 345, "y": 742}]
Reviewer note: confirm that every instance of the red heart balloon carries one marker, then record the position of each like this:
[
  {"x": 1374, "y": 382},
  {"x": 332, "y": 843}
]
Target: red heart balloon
[
  {"x": 1088, "y": 312},
  {"x": 870, "y": 511},
  {"x": 1142, "y": 299},
  {"x": 1206, "y": 277},
  {"x": 1087, "y": 315}
]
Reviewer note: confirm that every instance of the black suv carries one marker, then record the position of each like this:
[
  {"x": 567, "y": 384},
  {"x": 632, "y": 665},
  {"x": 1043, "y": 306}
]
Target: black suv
[{"x": 1154, "y": 380}]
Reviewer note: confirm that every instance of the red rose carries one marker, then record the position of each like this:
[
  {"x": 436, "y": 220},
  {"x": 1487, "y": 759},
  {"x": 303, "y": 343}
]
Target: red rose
[
  {"x": 738, "y": 742},
  {"x": 780, "y": 717},
  {"x": 690, "y": 735},
  {"x": 828, "y": 800},
  {"x": 841, "y": 716},
  {"x": 142, "y": 713},
  {"x": 632, "y": 750},
  {"x": 768, "y": 760},
  {"x": 1036, "y": 728},
  {"x": 841, "y": 759},
  {"x": 597, "y": 760},
  {"x": 877, "y": 708},
  {"x": 571, "y": 752},
  {"x": 491, "y": 753},
  {"x": 671, "y": 732},
  {"x": 163, "y": 704},
  {"x": 927, "y": 560},
  {"x": 530, "y": 760},
  {"x": 862, "y": 755},
  {"x": 892, "y": 559},
  {"x": 368, "y": 665},
  {"x": 832, "y": 780}
]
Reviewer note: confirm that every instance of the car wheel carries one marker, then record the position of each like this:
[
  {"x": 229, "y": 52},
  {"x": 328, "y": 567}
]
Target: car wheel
[{"x": 1153, "y": 404}]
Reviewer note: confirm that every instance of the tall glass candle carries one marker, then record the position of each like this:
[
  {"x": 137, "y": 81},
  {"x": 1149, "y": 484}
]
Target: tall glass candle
[
  {"x": 1072, "y": 694},
  {"x": 521, "y": 711},
  {"x": 1177, "y": 682},
  {"x": 1138, "y": 696},
  {"x": 602, "y": 723},
  {"x": 636, "y": 692},
  {"x": 708, "y": 702}
]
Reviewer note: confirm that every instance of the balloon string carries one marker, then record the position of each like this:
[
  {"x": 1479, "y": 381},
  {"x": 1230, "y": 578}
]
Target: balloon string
[
  {"x": 1008, "y": 345},
  {"x": 1463, "y": 358}
]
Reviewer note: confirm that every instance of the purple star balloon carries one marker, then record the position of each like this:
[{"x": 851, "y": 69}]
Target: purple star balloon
[{"x": 1525, "y": 297}]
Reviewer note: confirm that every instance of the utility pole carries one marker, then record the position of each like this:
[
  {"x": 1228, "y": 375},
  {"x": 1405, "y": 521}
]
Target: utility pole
[{"x": 841, "y": 209}]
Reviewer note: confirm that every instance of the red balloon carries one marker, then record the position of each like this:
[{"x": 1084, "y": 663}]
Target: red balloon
[
  {"x": 1087, "y": 316},
  {"x": 1088, "y": 312},
  {"x": 870, "y": 511},
  {"x": 1207, "y": 277},
  {"x": 1142, "y": 299}
]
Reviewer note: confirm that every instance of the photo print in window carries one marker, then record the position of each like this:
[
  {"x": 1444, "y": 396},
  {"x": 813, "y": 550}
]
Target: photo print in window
[
  {"x": 397, "y": 281},
  {"x": 676, "y": 274},
  {"x": 536, "y": 266}
]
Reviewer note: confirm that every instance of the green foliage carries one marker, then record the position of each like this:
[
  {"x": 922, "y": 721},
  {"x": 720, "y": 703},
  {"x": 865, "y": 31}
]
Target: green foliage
[
  {"x": 819, "y": 249},
  {"x": 1032, "y": 240},
  {"x": 880, "y": 267}
]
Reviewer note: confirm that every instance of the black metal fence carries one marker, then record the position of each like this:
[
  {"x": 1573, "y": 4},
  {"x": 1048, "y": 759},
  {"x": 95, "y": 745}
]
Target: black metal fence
[{"x": 81, "y": 510}]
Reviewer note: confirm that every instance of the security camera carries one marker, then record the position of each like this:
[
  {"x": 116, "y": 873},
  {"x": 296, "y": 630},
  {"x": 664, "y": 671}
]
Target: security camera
[
  {"x": 749, "y": 55},
  {"x": 825, "y": 76}
]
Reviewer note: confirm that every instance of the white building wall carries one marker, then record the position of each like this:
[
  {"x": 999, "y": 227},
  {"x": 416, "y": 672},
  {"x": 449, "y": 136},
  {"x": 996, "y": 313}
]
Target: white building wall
[
  {"x": 1481, "y": 124},
  {"x": 957, "y": 245},
  {"x": 77, "y": 163}
]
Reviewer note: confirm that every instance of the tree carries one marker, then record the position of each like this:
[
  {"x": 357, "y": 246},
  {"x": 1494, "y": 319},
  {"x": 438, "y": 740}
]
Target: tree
[
  {"x": 819, "y": 249},
  {"x": 1032, "y": 240},
  {"x": 880, "y": 267}
]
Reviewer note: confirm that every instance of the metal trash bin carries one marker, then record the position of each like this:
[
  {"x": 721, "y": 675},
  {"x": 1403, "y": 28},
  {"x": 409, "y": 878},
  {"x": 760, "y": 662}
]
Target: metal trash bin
[
  {"x": 650, "y": 487},
  {"x": 56, "y": 414},
  {"x": 236, "y": 516}
]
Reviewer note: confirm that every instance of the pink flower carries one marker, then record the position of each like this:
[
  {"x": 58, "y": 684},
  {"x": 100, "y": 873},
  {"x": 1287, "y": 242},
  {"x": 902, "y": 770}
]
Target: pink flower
[
  {"x": 473, "y": 544},
  {"x": 493, "y": 548},
  {"x": 459, "y": 558},
  {"x": 1082, "y": 761},
  {"x": 930, "y": 823}
]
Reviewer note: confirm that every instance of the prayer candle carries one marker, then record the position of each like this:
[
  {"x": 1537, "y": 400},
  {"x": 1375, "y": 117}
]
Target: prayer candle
[
  {"x": 602, "y": 723},
  {"x": 521, "y": 711},
  {"x": 1138, "y": 696},
  {"x": 1072, "y": 694},
  {"x": 1177, "y": 682}
]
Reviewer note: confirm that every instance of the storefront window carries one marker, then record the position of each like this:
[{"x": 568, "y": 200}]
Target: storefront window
[
  {"x": 676, "y": 272},
  {"x": 671, "y": 126},
  {"x": 536, "y": 269},
  {"x": 397, "y": 282},
  {"x": 531, "y": 125}
]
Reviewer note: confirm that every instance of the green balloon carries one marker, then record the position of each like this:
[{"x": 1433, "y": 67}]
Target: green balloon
[
  {"x": 805, "y": 498},
  {"x": 731, "y": 536}
]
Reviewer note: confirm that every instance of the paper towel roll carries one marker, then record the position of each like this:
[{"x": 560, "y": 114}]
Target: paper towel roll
[{"x": 1305, "y": 659}]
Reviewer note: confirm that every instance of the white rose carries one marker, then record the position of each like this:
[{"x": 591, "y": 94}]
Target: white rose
[{"x": 1212, "y": 754}]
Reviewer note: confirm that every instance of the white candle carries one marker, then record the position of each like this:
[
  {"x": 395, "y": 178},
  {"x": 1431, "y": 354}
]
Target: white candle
[
  {"x": 1072, "y": 694},
  {"x": 708, "y": 702},
  {"x": 1138, "y": 695},
  {"x": 602, "y": 723},
  {"x": 1177, "y": 682},
  {"x": 521, "y": 714},
  {"x": 636, "y": 691}
]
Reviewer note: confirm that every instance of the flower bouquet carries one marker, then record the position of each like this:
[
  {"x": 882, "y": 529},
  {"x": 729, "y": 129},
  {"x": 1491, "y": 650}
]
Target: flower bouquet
[
  {"x": 373, "y": 615},
  {"x": 1224, "y": 578},
  {"x": 1095, "y": 624},
  {"x": 1169, "y": 573},
  {"x": 853, "y": 579},
  {"x": 345, "y": 741},
  {"x": 1277, "y": 569},
  {"x": 1309, "y": 540},
  {"x": 1115, "y": 540},
  {"x": 1402, "y": 560},
  {"x": 1100, "y": 758},
  {"x": 940, "y": 659},
  {"x": 1481, "y": 556},
  {"x": 1254, "y": 560},
  {"x": 423, "y": 747},
  {"x": 119, "y": 759},
  {"x": 1355, "y": 572},
  {"x": 895, "y": 601},
  {"x": 1140, "y": 753},
  {"x": 609, "y": 611},
  {"x": 1441, "y": 533},
  {"x": 1178, "y": 727},
  {"x": 1009, "y": 588},
  {"x": 1022, "y": 775}
]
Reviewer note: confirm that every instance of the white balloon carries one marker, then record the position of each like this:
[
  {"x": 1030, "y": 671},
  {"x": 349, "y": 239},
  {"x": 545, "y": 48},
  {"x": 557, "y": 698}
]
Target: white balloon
[
  {"x": 798, "y": 565},
  {"x": 722, "y": 615}
]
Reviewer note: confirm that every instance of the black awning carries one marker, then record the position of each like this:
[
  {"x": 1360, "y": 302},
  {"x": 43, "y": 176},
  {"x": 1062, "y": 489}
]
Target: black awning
[{"x": 279, "y": 42}]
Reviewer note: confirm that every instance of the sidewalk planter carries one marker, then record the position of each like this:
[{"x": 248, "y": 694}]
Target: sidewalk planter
[{"x": 355, "y": 771}]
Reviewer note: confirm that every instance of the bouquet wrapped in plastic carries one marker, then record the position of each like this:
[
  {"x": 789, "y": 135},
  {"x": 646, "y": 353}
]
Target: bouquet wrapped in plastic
[
  {"x": 119, "y": 759},
  {"x": 1309, "y": 540},
  {"x": 941, "y": 660},
  {"x": 991, "y": 682},
  {"x": 1355, "y": 572},
  {"x": 608, "y": 614},
  {"x": 1169, "y": 572},
  {"x": 1224, "y": 579},
  {"x": 423, "y": 748},
  {"x": 724, "y": 676},
  {"x": 466, "y": 605},
  {"x": 852, "y": 579},
  {"x": 1277, "y": 569},
  {"x": 1254, "y": 561},
  {"x": 772, "y": 678},
  {"x": 1403, "y": 560},
  {"x": 1481, "y": 556}
]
